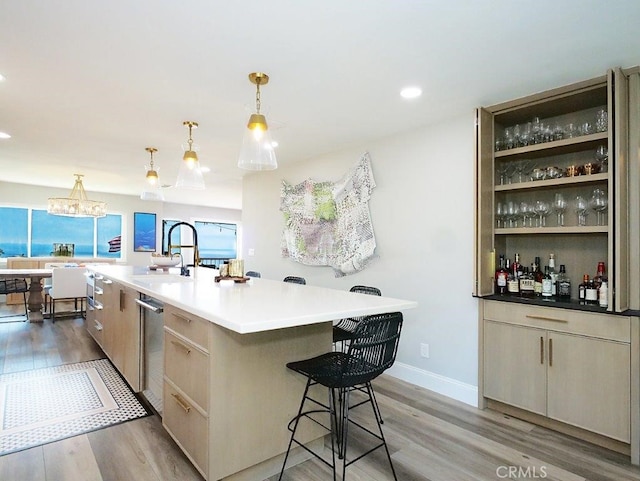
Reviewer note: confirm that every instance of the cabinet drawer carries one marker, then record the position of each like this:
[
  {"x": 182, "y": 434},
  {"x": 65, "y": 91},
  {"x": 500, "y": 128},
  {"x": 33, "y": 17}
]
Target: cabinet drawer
[
  {"x": 95, "y": 329},
  {"x": 188, "y": 368},
  {"x": 188, "y": 325},
  {"x": 188, "y": 426},
  {"x": 604, "y": 326}
]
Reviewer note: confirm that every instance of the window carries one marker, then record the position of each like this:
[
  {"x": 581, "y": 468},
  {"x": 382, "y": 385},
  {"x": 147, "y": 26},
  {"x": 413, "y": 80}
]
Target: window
[
  {"x": 47, "y": 230},
  {"x": 216, "y": 241},
  {"x": 14, "y": 236},
  {"x": 35, "y": 233}
]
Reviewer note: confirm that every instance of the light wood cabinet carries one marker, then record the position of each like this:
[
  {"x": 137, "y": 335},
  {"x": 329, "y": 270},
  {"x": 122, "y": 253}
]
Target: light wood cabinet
[
  {"x": 115, "y": 325},
  {"x": 127, "y": 345},
  {"x": 579, "y": 380},
  {"x": 186, "y": 384},
  {"x": 567, "y": 363}
]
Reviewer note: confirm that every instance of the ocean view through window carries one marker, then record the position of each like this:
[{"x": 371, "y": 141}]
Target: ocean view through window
[
  {"x": 33, "y": 233},
  {"x": 217, "y": 240}
]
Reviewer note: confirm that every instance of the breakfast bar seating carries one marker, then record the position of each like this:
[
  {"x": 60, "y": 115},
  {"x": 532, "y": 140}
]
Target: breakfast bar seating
[{"x": 372, "y": 350}]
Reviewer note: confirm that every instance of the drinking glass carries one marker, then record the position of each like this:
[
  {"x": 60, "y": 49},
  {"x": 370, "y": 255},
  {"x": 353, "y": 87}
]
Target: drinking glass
[
  {"x": 602, "y": 156},
  {"x": 560, "y": 205},
  {"x": 602, "y": 121},
  {"x": 513, "y": 212},
  {"x": 527, "y": 212},
  {"x": 599, "y": 203},
  {"x": 500, "y": 214},
  {"x": 582, "y": 207},
  {"x": 542, "y": 209}
]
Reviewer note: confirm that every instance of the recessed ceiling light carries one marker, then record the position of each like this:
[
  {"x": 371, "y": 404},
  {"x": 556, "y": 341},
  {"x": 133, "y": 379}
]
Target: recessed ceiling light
[
  {"x": 2, "y": 78},
  {"x": 205, "y": 170},
  {"x": 274, "y": 144},
  {"x": 411, "y": 92},
  {"x": 4, "y": 135}
]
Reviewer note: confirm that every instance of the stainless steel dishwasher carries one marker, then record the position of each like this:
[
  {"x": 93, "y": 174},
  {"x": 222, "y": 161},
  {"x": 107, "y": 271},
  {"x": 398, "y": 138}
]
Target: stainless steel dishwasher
[{"x": 151, "y": 315}]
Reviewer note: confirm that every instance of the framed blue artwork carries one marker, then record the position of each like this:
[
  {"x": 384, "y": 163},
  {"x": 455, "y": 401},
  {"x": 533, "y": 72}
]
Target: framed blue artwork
[{"x": 144, "y": 232}]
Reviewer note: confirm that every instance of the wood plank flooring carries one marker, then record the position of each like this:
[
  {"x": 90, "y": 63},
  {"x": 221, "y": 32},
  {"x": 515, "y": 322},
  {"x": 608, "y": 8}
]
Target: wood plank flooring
[{"x": 431, "y": 437}]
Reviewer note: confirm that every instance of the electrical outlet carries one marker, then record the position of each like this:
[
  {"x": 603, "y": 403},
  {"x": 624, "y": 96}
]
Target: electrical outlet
[{"x": 424, "y": 350}]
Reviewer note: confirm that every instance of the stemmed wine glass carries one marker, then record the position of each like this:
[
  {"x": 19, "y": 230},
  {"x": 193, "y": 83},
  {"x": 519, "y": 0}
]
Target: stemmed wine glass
[
  {"x": 602, "y": 156},
  {"x": 501, "y": 211},
  {"x": 527, "y": 212},
  {"x": 599, "y": 203},
  {"x": 542, "y": 209},
  {"x": 560, "y": 205},
  {"x": 513, "y": 212},
  {"x": 582, "y": 210}
]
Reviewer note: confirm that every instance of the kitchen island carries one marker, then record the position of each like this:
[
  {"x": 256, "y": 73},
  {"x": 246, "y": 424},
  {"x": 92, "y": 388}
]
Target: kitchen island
[{"x": 228, "y": 395}]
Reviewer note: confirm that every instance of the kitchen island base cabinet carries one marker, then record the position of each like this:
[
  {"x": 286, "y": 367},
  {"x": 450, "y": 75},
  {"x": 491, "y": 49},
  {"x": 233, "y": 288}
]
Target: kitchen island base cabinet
[{"x": 251, "y": 395}]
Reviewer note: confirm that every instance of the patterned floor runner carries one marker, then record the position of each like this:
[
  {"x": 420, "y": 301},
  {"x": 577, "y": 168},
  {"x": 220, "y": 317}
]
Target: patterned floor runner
[{"x": 46, "y": 405}]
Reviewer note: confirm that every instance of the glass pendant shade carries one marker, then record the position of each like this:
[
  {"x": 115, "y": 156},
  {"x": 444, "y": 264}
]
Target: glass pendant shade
[
  {"x": 152, "y": 176},
  {"x": 257, "y": 150},
  {"x": 77, "y": 204},
  {"x": 190, "y": 173}
]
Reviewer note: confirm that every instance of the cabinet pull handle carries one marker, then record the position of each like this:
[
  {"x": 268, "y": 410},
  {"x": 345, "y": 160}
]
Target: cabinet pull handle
[
  {"x": 182, "y": 318},
  {"x": 541, "y": 350},
  {"x": 107, "y": 281},
  {"x": 182, "y": 346},
  {"x": 543, "y": 318},
  {"x": 98, "y": 326},
  {"x": 550, "y": 352},
  {"x": 98, "y": 292},
  {"x": 181, "y": 402},
  {"x": 121, "y": 300}
]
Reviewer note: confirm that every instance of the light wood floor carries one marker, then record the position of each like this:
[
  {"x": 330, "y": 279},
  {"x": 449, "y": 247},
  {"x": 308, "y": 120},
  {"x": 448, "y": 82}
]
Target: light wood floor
[{"x": 430, "y": 437}]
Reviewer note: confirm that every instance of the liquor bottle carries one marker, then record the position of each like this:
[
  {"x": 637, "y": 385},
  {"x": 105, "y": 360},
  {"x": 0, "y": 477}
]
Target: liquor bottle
[
  {"x": 603, "y": 294},
  {"x": 516, "y": 266},
  {"x": 547, "y": 284},
  {"x": 591, "y": 293},
  {"x": 582, "y": 289},
  {"x": 553, "y": 274},
  {"x": 527, "y": 284},
  {"x": 564, "y": 285},
  {"x": 538, "y": 276},
  {"x": 501, "y": 278},
  {"x": 600, "y": 275},
  {"x": 513, "y": 287}
]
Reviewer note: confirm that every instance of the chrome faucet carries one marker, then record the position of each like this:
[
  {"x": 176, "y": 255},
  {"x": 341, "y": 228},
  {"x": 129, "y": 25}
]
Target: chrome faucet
[{"x": 184, "y": 270}]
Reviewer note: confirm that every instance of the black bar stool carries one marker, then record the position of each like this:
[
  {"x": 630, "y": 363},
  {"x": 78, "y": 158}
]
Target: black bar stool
[
  {"x": 295, "y": 279},
  {"x": 371, "y": 351}
]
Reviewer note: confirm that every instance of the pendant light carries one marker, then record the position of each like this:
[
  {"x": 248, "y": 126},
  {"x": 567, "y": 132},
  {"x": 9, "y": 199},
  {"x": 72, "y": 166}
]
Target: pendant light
[
  {"x": 154, "y": 191},
  {"x": 257, "y": 149},
  {"x": 190, "y": 174},
  {"x": 152, "y": 174},
  {"x": 77, "y": 204}
]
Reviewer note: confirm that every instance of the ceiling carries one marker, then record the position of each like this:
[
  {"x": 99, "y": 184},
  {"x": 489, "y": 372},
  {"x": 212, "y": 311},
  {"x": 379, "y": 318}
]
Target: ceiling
[{"x": 90, "y": 83}]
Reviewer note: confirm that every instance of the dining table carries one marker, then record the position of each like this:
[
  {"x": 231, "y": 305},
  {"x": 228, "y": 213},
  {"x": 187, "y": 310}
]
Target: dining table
[{"x": 35, "y": 300}]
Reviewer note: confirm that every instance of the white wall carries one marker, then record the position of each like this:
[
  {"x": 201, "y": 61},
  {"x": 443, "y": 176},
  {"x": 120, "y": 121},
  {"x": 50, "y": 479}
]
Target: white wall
[
  {"x": 422, "y": 211},
  {"x": 21, "y": 195}
]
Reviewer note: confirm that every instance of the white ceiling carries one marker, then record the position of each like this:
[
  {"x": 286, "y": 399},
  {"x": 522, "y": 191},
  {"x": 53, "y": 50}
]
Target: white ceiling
[{"x": 90, "y": 83}]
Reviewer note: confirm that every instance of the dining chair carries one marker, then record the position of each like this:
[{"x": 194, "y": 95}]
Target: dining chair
[
  {"x": 295, "y": 280},
  {"x": 372, "y": 350},
  {"x": 16, "y": 286},
  {"x": 67, "y": 283}
]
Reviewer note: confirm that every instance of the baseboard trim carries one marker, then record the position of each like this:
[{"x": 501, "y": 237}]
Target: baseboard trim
[{"x": 446, "y": 386}]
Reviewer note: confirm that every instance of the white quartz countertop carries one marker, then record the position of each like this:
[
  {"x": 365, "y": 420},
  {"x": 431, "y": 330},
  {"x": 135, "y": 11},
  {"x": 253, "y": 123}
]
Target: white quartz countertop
[{"x": 257, "y": 305}]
